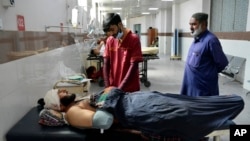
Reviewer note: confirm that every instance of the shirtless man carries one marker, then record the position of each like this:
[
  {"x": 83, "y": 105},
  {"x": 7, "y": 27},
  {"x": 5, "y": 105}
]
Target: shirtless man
[
  {"x": 77, "y": 113},
  {"x": 161, "y": 114}
]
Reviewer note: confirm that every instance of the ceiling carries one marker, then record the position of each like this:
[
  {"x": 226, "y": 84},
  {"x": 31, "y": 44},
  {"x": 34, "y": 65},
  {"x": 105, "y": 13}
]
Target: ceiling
[{"x": 135, "y": 8}]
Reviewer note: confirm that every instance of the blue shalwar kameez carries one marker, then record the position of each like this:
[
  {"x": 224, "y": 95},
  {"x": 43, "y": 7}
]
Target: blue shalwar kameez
[{"x": 204, "y": 61}]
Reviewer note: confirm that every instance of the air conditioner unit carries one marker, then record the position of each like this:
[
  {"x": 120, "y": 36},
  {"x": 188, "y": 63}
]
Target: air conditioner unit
[{"x": 8, "y": 3}]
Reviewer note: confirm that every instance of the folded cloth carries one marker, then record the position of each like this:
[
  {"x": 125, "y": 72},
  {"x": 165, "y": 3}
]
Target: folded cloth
[{"x": 51, "y": 117}]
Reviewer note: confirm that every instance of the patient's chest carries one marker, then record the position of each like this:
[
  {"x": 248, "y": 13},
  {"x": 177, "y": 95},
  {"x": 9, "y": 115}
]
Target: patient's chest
[{"x": 84, "y": 104}]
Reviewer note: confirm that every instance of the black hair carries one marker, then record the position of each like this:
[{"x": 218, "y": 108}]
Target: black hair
[
  {"x": 40, "y": 103},
  {"x": 67, "y": 100},
  {"x": 92, "y": 52},
  {"x": 90, "y": 70},
  {"x": 110, "y": 19}
]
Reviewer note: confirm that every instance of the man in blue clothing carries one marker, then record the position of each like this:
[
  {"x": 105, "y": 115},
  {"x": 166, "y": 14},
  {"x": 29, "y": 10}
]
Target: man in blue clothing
[{"x": 204, "y": 61}]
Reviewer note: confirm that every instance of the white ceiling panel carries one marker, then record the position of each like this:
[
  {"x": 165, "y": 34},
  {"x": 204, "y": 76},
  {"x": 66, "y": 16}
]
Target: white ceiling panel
[{"x": 134, "y": 8}]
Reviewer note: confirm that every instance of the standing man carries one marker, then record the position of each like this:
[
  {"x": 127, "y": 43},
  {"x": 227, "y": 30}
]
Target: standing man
[
  {"x": 121, "y": 56},
  {"x": 204, "y": 61}
]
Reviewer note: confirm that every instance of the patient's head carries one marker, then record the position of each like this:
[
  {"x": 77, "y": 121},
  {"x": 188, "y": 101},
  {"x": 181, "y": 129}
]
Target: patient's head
[
  {"x": 65, "y": 98},
  {"x": 58, "y": 99},
  {"x": 95, "y": 51}
]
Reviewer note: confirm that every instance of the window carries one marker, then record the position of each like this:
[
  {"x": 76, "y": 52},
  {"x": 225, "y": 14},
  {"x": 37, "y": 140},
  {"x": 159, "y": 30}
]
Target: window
[{"x": 228, "y": 15}]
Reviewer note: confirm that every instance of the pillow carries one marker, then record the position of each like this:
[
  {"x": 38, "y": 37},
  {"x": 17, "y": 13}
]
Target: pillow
[{"x": 51, "y": 117}]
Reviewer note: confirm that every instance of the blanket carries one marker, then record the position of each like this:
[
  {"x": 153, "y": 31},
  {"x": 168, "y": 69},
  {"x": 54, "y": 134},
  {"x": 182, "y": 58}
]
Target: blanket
[
  {"x": 166, "y": 114},
  {"x": 149, "y": 50}
]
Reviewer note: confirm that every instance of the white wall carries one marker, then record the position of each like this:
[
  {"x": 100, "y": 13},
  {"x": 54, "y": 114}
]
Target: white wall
[
  {"x": 40, "y": 13},
  {"x": 36, "y": 14},
  {"x": 164, "y": 16},
  {"x": 144, "y": 27},
  {"x": 185, "y": 12},
  {"x": 162, "y": 21},
  {"x": 26, "y": 80}
]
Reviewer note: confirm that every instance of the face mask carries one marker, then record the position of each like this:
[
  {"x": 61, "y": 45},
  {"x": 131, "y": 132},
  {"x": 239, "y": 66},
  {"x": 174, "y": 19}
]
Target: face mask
[{"x": 119, "y": 35}]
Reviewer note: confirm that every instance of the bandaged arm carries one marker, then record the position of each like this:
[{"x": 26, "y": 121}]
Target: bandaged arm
[
  {"x": 133, "y": 68},
  {"x": 102, "y": 119},
  {"x": 106, "y": 68}
]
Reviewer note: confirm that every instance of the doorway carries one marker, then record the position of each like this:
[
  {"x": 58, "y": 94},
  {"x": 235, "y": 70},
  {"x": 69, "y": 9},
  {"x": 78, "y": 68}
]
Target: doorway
[{"x": 137, "y": 29}]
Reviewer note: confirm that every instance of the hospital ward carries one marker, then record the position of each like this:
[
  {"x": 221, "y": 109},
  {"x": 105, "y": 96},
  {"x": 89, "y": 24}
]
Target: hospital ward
[{"x": 125, "y": 70}]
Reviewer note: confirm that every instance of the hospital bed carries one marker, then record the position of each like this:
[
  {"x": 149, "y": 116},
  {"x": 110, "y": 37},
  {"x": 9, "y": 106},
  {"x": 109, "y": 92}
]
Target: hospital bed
[
  {"x": 28, "y": 129},
  {"x": 149, "y": 53}
]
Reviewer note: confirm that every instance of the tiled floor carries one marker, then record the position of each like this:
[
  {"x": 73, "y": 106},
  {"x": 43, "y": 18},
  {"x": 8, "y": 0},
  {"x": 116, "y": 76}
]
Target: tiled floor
[{"x": 165, "y": 75}]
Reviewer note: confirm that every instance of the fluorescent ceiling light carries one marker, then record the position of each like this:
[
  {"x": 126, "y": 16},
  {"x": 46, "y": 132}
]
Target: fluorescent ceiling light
[
  {"x": 117, "y": 8},
  {"x": 145, "y": 13},
  {"x": 167, "y": 0},
  {"x": 153, "y": 8},
  {"x": 117, "y": 0}
]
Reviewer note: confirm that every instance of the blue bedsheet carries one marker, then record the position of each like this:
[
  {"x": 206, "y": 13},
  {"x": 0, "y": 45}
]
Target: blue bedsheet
[{"x": 165, "y": 114}]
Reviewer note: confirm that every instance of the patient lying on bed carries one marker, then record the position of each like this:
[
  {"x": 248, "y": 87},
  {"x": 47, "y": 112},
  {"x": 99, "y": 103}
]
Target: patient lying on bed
[
  {"x": 154, "y": 113},
  {"x": 99, "y": 49}
]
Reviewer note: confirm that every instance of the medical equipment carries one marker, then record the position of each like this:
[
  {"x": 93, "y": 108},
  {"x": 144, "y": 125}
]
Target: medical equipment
[{"x": 78, "y": 84}]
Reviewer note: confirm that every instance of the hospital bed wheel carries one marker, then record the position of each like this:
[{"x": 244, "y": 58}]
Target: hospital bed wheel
[
  {"x": 142, "y": 79},
  {"x": 147, "y": 84}
]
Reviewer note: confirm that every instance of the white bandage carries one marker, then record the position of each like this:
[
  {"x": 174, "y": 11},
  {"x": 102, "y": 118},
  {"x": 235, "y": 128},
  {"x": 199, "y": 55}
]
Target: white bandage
[{"x": 52, "y": 100}]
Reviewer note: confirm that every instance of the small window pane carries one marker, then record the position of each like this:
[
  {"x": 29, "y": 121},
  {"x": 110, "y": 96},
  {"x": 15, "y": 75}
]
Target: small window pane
[
  {"x": 228, "y": 15},
  {"x": 241, "y": 11},
  {"x": 216, "y": 15},
  {"x": 228, "y": 8}
]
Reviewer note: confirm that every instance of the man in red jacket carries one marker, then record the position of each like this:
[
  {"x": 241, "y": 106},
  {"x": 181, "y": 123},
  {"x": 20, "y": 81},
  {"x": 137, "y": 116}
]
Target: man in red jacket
[{"x": 121, "y": 56}]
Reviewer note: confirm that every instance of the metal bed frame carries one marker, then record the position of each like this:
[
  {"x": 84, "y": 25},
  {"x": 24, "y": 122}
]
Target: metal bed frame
[
  {"x": 143, "y": 71},
  {"x": 99, "y": 60}
]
